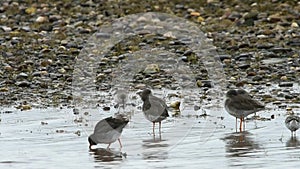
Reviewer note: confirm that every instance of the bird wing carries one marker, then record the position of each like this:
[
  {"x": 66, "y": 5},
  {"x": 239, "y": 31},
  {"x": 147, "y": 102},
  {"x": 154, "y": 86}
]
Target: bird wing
[
  {"x": 246, "y": 103},
  {"x": 103, "y": 126},
  {"x": 158, "y": 106}
]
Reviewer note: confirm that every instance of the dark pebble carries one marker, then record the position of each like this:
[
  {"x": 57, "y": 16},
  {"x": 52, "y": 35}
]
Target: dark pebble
[
  {"x": 206, "y": 83},
  {"x": 294, "y": 42},
  {"x": 106, "y": 108},
  {"x": 281, "y": 49},
  {"x": 264, "y": 46},
  {"x": 244, "y": 66},
  {"x": 272, "y": 116},
  {"x": 223, "y": 57},
  {"x": 285, "y": 84},
  {"x": 243, "y": 56},
  {"x": 184, "y": 58},
  {"x": 23, "y": 84},
  {"x": 257, "y": 78},
  {"x": 76, "y": 111}
]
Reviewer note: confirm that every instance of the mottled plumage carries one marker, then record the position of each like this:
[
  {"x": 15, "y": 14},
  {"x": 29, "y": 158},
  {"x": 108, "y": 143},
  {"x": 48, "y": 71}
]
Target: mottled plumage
[
  {"x": 240, "y": 104},
  {"x": 292, "y": 122},
  {"x": 121, "y": 97},
  {"x": 108, "y": 131},
  {"x": 154, "y": 108}
]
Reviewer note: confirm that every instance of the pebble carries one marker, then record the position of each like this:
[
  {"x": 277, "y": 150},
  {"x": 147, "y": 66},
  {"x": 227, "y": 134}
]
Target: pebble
[
  {"x": 41, "y": 19},
  {"x": 75, "y": 111},
  {"x": 22, "y": 75},
  {"x": 23, "y": 84},
  {"x": 6, "y": 28},
  {"x": 151, "y": 68},
  {"x": 52, "y": 41},
  {"x": 286, "y": 84}
]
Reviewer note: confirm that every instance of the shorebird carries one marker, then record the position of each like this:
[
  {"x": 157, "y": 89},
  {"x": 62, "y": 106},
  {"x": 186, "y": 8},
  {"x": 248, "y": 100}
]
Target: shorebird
[
  {"x": 107, "y": 131},
  {"x": 292, "y": 122},
  {"x": 154, "y": 108},
  {"x": 240, "y": 104},
  {"x": 121, "y": 97}
]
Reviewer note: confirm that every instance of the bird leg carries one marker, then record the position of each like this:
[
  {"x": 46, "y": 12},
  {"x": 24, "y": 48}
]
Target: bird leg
[
  {"x": 108, "y": 146},
  {"x": 153, "y": 128},
  {"x": 241, "y": 122},
  {"x": 120, "y": 143},
  {"x": 159, "y": 126},
  {"x": 244, "y": 123},
  {"x": 236, "y": 124}
]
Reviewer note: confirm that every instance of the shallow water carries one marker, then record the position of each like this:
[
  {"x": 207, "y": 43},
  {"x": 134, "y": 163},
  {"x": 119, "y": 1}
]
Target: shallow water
[{"x": 50, "y": 138}]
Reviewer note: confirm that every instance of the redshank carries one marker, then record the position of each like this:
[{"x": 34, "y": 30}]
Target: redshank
[
  {"x": 154, "y": 108},
  {"x": 108, "y": 130},
  {"x": 240, "y": 104}
]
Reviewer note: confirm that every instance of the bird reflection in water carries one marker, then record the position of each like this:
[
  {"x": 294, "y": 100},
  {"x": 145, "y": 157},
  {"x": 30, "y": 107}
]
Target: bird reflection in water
[
  {"x": 293, "y": 142},
  {"x": 106, "y": 155},
  {"x": 240, "y": 144},
  {"x": 155, "y": 149}
]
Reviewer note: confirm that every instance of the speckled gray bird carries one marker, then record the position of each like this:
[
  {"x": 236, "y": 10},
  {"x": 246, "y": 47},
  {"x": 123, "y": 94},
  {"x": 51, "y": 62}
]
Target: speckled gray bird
[
  {"x": 154, "y": 108},
  {"x": 240, "y": 104},
  {"x": 121, "y": 98},
  {"x": 108, "y": 130},
  {"x": 292, "y": 122}
]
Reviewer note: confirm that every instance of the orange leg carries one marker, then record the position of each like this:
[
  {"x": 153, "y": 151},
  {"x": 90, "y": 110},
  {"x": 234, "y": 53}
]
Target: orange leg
[{"x": 241, "y": 122}]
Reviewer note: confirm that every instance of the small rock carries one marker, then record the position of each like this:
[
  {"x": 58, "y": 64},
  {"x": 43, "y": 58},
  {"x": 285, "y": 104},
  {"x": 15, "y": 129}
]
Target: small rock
[
  {"x": 286, "y": 84},
  {"x": 274, "y": 18},
  {"x": 106, "y": 108},
  {"x": 251, "y": 73},
  {"x": 23, "y": 84},
  {"x": 175, "y": 105},
  {"x": 283, "y": 78},
  {"x": 223, "y": 57},
  {"x": 78, "y": 133},
  {"x": 243, "y": 56},
  {"x": 140, "y": 86},
  {"x": 75, "y": 111},
  {"x": 107, "y": 71},
  {"x": 257, "y": 78},
  {"x": 294, "y": 25},
  {"x": 151, "y": 68},
  {"x": 62, "y": 70},
  {"x": 194, "y": 13},
  {"x": 25, "y": 107},
  {"x": 4, "y": 89},
  {"x": 244, "y": 66},
  {"x": 47, "y": 62},
  {"x": 41, "y": 19},
  {"x": 60, "y": 131},
  {"x": 30, "y": 10},
  {"x": 44, "y": 123},
  {"x": 196, "y": 108},
  {"x": 22, "y": 75},
  {"x": 6, "y": 28}
]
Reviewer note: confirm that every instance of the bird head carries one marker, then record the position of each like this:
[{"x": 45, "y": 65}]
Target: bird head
[
  {"x": 91, "y": 141},
  {"x": 144, "y": 94},
  {"x": 231, "y": 93}
]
